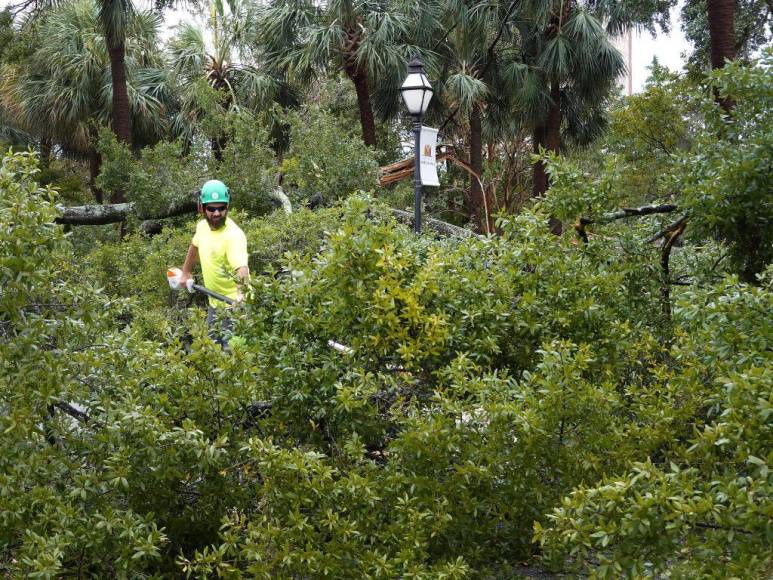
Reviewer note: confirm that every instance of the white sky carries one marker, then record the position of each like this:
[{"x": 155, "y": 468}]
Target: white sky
[{"x": 670, "y": 50}]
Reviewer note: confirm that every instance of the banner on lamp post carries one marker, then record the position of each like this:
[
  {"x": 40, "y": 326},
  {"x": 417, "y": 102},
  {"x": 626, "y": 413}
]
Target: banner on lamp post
[{"x": 428, "y": 162}]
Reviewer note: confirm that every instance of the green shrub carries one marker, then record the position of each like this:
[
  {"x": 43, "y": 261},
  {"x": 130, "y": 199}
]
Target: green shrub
[
  {"x": 728, "y": 176},
  {"x": 491, "y": 384},
  {"x": 326, "y": 158}
]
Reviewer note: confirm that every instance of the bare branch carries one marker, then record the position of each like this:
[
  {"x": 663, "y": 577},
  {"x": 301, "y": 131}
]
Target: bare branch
[
  {"x": 669, "y": 229},
  {"x": 627, "y": 212},
  {"x": 76, "y": 413}
]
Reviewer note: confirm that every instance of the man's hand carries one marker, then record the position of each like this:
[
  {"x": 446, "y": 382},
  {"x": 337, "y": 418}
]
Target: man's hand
[
  {"x": 190, "y": 259},
  {"x": 242, "y": 276},
  {"x": 186, "y": 281}
]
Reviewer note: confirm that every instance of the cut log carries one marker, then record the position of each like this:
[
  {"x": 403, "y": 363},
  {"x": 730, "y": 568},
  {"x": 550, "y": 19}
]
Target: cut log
[{"x": 402, "y": 169}]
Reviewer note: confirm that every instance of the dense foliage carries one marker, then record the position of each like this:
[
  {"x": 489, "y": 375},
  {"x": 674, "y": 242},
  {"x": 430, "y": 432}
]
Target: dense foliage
[
  {"x": 598, "y": 402},
  {"x": 488, "y": 380}
]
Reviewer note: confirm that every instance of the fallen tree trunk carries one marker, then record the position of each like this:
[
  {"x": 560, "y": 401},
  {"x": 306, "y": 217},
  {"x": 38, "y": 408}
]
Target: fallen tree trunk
[
  {"x": 438, "y": 226},
  {"x": 94, "y": 215},
  {"x": 97, "y": 215}
]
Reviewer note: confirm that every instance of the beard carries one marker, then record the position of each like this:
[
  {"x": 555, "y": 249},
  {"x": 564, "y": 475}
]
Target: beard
[{"x": 215, "y": 222}]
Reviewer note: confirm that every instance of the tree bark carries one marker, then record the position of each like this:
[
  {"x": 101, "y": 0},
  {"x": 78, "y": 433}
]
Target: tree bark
[
  {"x": 95, "y": 215},
  {"x": 120, "y": 103},
  {"x": 367, "y": 122},
  {"x": 477, "y": 210},
  {"x": 437, "y": 226},
  {"x": 540, "y": 185},
  {"x": 95, "y": 164},
  {"x": 553, "y": 140},
  {"x": 553, "y": 126},
  {"x": 721, "y": 17},
  {"x": 549, "y": 137}
]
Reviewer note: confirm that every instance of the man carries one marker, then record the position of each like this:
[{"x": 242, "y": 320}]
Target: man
[{"x": 221, "y": 247}]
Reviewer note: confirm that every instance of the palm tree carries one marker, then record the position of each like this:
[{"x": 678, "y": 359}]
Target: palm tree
[
  {"x": 228, "y": 66},
  {"x": 114, "y": 16},
  {"x": 569, "y": 69},
  {"x": 720, "y": 14},
  {"x": 65, "y": 90},
  {"x": 737, "y": 29},
  {"x": 475, "y": 51},
  {"x": 360, "y": 38}
]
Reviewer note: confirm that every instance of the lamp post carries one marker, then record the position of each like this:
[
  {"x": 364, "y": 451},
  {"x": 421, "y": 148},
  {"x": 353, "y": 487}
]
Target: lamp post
[{"x": 416, "y": 92}]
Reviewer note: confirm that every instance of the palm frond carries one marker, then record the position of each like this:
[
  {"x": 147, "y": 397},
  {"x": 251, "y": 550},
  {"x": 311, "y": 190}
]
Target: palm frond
[
  {"x": 556, "y": 58},
  {"x": 583, "y": 27},
  {"x": 255, "y": 88},
  {"x": 187, "y": 51},
  {"x": 531, "y": 96},
  {"x": 114, "y": 17},
  {"x": 465, "y": 90}
]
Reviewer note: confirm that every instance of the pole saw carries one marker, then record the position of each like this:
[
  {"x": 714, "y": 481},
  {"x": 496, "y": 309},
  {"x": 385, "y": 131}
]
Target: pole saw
[{"x": 173, "y": 277}]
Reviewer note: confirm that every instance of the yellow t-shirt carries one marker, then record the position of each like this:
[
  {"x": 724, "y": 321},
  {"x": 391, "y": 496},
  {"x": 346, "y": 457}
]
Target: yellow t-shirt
[{"x": 221, "y": 253}]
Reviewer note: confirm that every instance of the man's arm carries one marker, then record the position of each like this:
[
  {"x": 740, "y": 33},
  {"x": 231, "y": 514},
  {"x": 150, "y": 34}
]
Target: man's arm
[
  {"x": 242, "y": 277},
  {"x": 190, "y": 260}
]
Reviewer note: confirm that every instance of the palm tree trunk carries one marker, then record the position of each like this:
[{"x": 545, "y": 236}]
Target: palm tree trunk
[
  {"x": 549, "y": 137},
  {"x": 220, "y": 142},
  {"x": 121, "y": 124},
  {"x": 720, "y": 14},
  {"x": 360, "y": 80},
  {"x": 95, "y": 164},
  {"x": 540, "y": 185},
  {"x": 477, "y": 210},
  {"x": 553, "y": 127}
]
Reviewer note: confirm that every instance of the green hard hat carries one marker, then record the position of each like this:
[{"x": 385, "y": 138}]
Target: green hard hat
[{"x": 214, "y": 191}]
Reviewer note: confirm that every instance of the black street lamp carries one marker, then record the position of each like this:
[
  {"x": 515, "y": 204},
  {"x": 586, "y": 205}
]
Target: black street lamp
[{"x": 416, "y": 92}]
